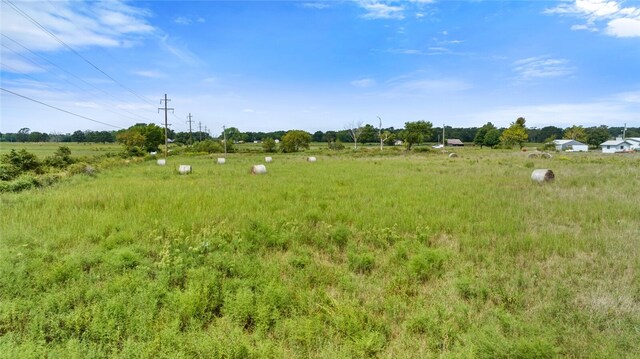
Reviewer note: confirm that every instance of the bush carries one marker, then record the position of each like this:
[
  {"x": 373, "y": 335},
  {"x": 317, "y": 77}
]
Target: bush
[
  {"x": 428, "y": 264},
  {"x": 336, "y": 145},
  {"x": 362, "y": 263},
  {"x": 22, "y": 183},
  {"x": 269, "y": 145},
  {"x": 21, "y": 161}
]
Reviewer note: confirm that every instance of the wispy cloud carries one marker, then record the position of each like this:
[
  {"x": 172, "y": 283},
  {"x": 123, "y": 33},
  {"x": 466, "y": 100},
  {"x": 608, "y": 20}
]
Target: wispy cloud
[
  {"x": 149, "y": 74},
  {"x": 620, "y": 21},
  {"x": 364, "y": 83},
  {"x": 182, "y": 20},
  {"x": 542, "y": 67},
  {"x": 380, "y": 10},
  {"x": 318, "y": 5},
  {"x": 78, "y": 24}
]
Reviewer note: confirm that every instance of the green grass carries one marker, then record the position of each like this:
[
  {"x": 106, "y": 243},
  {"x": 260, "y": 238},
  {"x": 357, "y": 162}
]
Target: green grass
[
  {"x": 356, "y": 255},
  {"x": 43, "y": 149}
]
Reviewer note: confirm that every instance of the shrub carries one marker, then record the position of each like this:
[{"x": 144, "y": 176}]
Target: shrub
[
  {"x": 362, "y": 263},
  {"x": 21, "y": 161},
  {"x": 269, "y": 145},
  {"x": 428, "y": 264}
]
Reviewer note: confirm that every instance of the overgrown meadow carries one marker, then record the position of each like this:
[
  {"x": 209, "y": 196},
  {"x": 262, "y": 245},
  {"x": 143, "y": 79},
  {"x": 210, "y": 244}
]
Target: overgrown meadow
[{"x": 355, "y": 255}]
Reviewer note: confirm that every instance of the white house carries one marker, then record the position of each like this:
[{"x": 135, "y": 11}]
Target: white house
[
  {"x": 573, "y": 145},
  {"x": 618, "y": 145},
  {"x": 635, "y": 143}
]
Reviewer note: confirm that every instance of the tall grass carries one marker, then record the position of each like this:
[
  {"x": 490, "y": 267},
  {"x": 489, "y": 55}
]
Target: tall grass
[{"x": 390, "y": 256}]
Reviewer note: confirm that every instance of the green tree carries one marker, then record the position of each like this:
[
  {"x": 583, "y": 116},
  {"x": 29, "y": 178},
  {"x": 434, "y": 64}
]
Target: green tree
[
  {"x": 295, "y": 140},
  {"x": 142, "y": 137},
  {"x": 516, "y": 134},
  {"x": 492, "y": 138},
  {"x": 479, "y": 139},
  {"x": 23, "y": 134},
  {"x": 269, "y": 145},
  {"x": 577, "y": 133},
  {"x": 597, "y": 135},
  {"x": 415, "y": 132}
]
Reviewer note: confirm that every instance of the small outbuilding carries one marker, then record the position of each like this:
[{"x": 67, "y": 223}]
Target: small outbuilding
[
  {"x": 617, "y": 146},
  {"x": 454, "y": 142},
  {"x": 570, "y": 145}
]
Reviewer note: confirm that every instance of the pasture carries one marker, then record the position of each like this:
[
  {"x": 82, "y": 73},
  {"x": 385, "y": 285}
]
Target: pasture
[{"x": 355, "y": 255}]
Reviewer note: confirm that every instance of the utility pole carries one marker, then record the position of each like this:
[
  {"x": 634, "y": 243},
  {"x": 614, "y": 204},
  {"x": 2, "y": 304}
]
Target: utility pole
[
  {"x": 224, "y": 136},
  {"x": 200, "y": 130},
  {"x": 190, "y": 122},
  {"x": 206, "y": 132},
  {"x": 166, "y": 125}
]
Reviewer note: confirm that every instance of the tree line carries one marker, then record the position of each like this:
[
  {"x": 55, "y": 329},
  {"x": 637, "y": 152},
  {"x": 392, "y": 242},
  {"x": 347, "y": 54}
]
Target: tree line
[{"x": 487, "y": 135}]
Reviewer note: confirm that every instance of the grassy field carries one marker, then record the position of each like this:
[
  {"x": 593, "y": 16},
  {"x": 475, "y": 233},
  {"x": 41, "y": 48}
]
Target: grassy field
[
  {"x": 356, "y": 255},
  {"x": 43, "y": 149}
]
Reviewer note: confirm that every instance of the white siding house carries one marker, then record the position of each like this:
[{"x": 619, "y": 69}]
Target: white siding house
[
  {"x": 618, "y": 145},
  {"x": 635, "y": 143},
  {"x": 573, "y": 145}
]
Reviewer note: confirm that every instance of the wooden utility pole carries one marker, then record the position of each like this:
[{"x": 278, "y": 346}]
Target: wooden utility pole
[
  {"x": 190, "y": 122},
  {"x": 166, "y": 125}
]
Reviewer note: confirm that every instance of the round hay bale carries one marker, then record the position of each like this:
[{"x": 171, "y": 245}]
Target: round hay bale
[
  {"x": 268, "y": 159},
  {"x": 184, "y": 169},
  {"x": 162, "y": 162},
  {"x": 545, "y": 155},
  {"x": 311, "y": 159},
  {"x": 542, "y": 175},
  {"x": 453, "y": 155},
  {"x": 221, "y": 161},
  {"x": 259, "y": 170},
  {"x": 532, "y": 155}
]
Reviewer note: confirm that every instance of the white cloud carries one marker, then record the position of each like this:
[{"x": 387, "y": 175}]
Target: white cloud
[
  {"x": 78, "y": 24},
  {"x": 624, "y": 27},
  {"x": 316, "y": 5},
  {"x": 364, "y": 83},
  {"x": 542, "y": 67},
  {"x": 181, "y": 20},
  {"x": 248, "y": 110},
  {"x": 149, "y": 74},
  {"x": 380, "y": 10},
  {"x": 620, "y": 21}
]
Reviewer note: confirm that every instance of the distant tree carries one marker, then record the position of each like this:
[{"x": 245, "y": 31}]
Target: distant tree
[
  {"x": 269, "y": 145},
  {"x": 577, "y": 133},
  {"x": 78, "y": 136},
  {"x": 597, "y": 135},
  {"x": 330, "y": 136},
  {"x": 415, "y": 132},
  {"x": 234, "y": 135},
  {"x": 369, "y": 134},
  {"x": 492, "y": 138},
  {"x": 516, "y": 134},
  {"x": 318, "y": 136},
  {"x": 23, "y": 135},
  {"x": 142, "y": 136},
  {"x": 479, "y": 139},
  {"x": 36, "y": 136},
  {"x": 354, "y": 129},
  {"x": 295, "y": 140},
  {"x": 550, "y": 132}
]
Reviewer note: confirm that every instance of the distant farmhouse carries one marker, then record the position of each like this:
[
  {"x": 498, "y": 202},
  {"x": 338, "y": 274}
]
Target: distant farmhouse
[
  {"x": 619, "y": 145},
  {"x": 570, "y": 145},
  {"x": 454, "y": 142}
]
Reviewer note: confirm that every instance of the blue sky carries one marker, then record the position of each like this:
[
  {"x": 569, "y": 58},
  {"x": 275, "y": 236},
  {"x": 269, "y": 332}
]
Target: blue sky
[{"x": 272, "y": 65}]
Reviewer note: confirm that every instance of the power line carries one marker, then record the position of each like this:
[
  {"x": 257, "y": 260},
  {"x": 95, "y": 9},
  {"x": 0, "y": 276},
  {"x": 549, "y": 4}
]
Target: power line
[
  {"x": 33, "y": 21},
  {"x": 58, "y": 108},
  {"x": 68, "y": 73}
]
